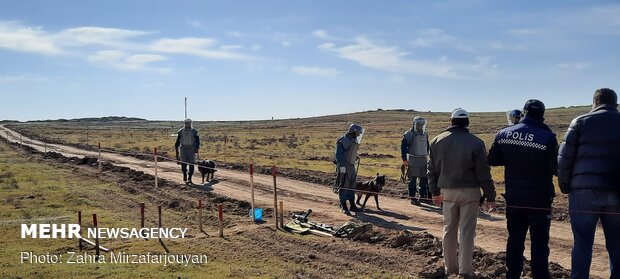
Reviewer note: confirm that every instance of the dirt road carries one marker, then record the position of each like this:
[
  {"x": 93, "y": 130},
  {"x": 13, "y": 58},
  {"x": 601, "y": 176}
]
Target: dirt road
[{"x": 299, "y": 196}]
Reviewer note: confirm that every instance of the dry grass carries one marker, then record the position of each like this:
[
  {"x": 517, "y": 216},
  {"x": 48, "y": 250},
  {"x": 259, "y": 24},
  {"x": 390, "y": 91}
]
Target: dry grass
[{"x": 292, "y": 143}]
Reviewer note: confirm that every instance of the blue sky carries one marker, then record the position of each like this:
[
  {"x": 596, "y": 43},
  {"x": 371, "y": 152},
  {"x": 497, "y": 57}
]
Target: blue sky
[{"x": 238, "y": 60}]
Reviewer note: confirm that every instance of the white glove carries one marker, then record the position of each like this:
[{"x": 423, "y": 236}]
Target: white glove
[{"x": 343, "y": 170}]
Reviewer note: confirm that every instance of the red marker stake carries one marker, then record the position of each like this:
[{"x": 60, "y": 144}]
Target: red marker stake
[{"x": 141, "y": 215}]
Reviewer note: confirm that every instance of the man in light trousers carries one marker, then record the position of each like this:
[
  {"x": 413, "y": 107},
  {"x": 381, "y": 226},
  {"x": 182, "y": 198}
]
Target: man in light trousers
[{"x": 457, "y": 170}]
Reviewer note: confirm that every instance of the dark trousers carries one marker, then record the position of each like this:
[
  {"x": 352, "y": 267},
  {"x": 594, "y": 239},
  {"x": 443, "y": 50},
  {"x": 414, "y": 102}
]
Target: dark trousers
[
  {"x": 346, "y": 195},
  {"x": 519, "y": 221},
  {"x": 424, "y": 193},
  {"x": 184, "y": 170},
  {"x": 584, "y": 228}
]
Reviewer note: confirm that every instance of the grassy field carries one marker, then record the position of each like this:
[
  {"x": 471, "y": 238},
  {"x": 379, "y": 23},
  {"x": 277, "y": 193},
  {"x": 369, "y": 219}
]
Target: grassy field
[
  {"x": 306, "y": 144},
  {"x": 38, "y": 192}
]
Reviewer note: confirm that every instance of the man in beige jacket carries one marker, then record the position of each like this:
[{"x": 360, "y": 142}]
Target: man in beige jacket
[{"x": 457, "y": 169}]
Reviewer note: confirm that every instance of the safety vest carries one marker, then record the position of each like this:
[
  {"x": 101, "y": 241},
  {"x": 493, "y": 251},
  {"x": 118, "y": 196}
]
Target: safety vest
[
  {"x": 418, "y": 143},
  {"x": 350, "y": 149},
  {"x": 188, "y": 137}
]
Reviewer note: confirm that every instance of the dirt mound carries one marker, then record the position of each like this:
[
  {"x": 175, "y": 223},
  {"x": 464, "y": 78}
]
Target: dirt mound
[
  {"x": 487, "y": 265},
  {"x": 319, "y": 158},
  {"x": 376, "y": 156}
]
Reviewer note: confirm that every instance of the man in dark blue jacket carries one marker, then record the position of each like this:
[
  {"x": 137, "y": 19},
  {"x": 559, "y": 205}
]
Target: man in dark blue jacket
[
  {"x": 589, "y": 170},
  {"x": 528, "y": 150}
]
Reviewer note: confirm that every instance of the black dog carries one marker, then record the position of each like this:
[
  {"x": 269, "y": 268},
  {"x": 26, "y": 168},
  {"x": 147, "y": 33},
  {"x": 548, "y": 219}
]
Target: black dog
[
  {"x": 370, "y": 188},
  {"x": 206, "y": 168}
]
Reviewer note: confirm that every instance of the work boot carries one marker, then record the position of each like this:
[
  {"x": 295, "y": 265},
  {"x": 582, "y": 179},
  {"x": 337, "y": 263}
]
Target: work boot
[
  {"x": 345, "y": 210},
  {"x": 189, "y": 180},
  {"x": 354, "y": 207},
  {"x": 414, "y": 201}
]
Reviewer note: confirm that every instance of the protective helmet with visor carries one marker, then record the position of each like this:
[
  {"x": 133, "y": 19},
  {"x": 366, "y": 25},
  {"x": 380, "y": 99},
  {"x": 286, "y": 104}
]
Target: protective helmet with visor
[
  {"x": 357, "y": 132},
  {"x": 419, "y": 124}
]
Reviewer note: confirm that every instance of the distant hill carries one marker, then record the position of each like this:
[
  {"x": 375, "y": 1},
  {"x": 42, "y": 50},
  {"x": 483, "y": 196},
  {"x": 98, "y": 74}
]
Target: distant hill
[{"x": 97, "y": 119}]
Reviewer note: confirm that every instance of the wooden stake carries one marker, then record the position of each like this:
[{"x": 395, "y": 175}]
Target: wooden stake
[
  {"x": 282, "y": 214},
  {"x": 155, "y": 156},
  {"x": 275, "y": 195},
  {"x": 45, "y": 147},
  {"x": 159, "y": 213},
  {"x": 200, "y": 214},
  {"x": 225, "y": 148},
  {"x": 96, "y": 237},
  {"x": 80, "y": 232},
  {"x": 99, "y": 147},
  {"x": 220, "y": 219},
  {"x": 252, "y": 190}
]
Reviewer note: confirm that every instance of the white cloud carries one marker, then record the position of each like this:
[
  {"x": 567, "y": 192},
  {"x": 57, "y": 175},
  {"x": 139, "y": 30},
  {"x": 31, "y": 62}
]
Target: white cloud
[
  {"x": 122, "y": 60},
  {"x": 326, "y": 46},
  {"x": 16, "y": 37},
  {"x": 315, "y": 71},
  {"x": 484, "y": 66},
  {"x": 397, "y": 79},
  {"x": 523, "y": 31},
  {"x": 255, "y": 47},
  {"x": 321, "y": 34},
  {"x": 502, "y": 46},
  {"x": 234, "y": 34},
  {"x": 602, "y": 20},
  {"x": 230, "y": 47},
  {"x": 92, "y": 35},
  {"x": 577, "y": 66},
  {"x": 388, "y": 59},
  {"x": 203, "y": 47},
  {"x": 81, "y": 40},
  {"x": 286, "y": 43},
  {"x": 196, "y": 23},
  {"x": 20, "y": 78},
  {"x": 437, "y": 37}
]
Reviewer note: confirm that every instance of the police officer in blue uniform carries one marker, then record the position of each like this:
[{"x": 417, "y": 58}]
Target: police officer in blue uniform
[{"x": 528, "y": 151}]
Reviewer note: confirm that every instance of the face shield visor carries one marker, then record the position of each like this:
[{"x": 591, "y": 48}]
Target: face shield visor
[
  {"x": 188, "y": 123},
  {"x": 419, "y": 125},
  {"x": 513, "y": 117},
  {"x": 360, "y": 135}
]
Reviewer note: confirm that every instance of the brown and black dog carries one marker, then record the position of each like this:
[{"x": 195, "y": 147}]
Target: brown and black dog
[{"x": 370, "y": 188}]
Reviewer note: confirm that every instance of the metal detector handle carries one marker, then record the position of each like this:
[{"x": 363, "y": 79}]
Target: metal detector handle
[
  {"x": 359, "y": 162},
  {"x": 307, "y": 214}
]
